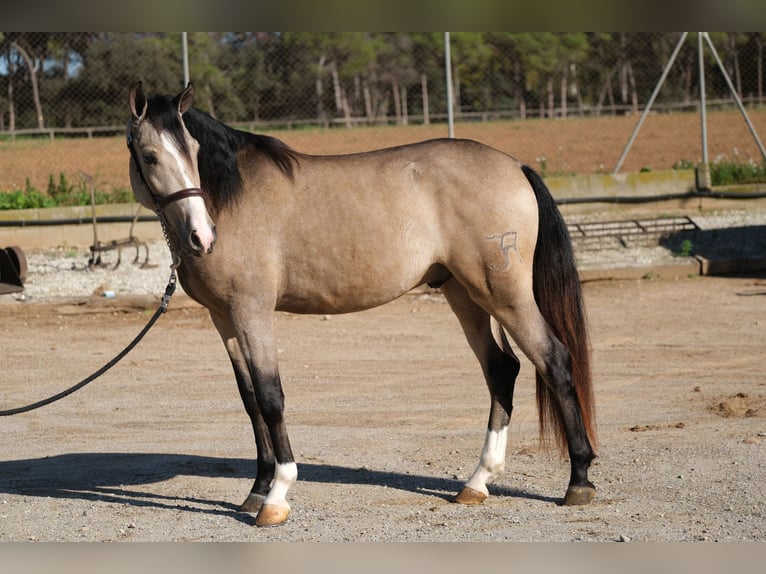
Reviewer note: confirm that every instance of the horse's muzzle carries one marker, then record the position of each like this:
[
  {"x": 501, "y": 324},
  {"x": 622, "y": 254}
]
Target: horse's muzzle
[{"x": 202, "y": 241}]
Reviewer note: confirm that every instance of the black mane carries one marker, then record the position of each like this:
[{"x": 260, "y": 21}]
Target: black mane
[{"x": 219, "y": 144}]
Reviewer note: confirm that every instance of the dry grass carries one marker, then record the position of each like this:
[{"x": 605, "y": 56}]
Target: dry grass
[{"x": 561, "y": 146}]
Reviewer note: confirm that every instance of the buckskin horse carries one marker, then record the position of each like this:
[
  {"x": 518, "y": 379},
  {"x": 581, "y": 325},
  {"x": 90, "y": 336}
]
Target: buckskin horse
[{"x": 256, "y": 227}]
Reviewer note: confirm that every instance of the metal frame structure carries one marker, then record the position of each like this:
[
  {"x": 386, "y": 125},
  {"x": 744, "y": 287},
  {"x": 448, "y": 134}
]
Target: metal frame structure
[{"x": 703, "y": 178}]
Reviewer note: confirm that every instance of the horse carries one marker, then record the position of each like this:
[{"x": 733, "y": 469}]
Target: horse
[{"x": 256, "y": 227}]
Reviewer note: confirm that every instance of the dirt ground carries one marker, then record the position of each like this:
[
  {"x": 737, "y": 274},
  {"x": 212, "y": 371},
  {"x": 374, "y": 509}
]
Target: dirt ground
[{"x": 387, "y": 411}]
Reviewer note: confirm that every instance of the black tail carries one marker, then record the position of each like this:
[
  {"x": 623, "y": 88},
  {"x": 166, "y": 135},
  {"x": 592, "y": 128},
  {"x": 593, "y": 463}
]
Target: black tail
[{"x": 558, "y": 294}]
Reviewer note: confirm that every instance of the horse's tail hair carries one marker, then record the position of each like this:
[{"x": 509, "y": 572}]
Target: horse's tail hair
[{"x": 558, "y": 294}]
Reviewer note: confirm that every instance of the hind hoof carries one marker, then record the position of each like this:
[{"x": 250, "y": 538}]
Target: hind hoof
[
  {"x": 272, "y": 515},
  {"x": 252, "y": 503},
  {"x": 579, "y": 495},
  {"x": 470, "y": 496}
]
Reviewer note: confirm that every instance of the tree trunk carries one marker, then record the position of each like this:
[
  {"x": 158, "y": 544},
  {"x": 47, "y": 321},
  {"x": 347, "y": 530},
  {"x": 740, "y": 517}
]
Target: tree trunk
[
  {"x": 368, "y": 103},
  {"x": 11, "y": 104},
  {"x": 424, "y": 93},
  {"x": 33, "y": 66},
  {"x": 346, "y": 108},
  {"x": 519, "y": 81},
  {"x": 688, "y": 75},
  {"x": 633, "y": 91},
  {"x": 735, "y": 64},
  {"x": 456, "y": 91},
  {"x": 563, "y": 94},
  {"x": 336, "y": 87},
  {"x": 321, "y": 116},
  {"x": 397, "y": 101},
  {"x": 759, "y": 57},
  {"x": 574, "y": 87},
  {"x": 551, "y": 99},
  {"x": 405, "y": 114}
]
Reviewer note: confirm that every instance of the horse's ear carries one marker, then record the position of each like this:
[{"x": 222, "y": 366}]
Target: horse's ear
[
  {"x": 185, "y": 99},
  {"x": 138, "y": 102}
]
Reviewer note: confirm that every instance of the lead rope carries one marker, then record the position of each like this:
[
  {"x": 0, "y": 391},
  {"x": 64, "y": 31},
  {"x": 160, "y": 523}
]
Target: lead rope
[{"x": 169, "y": 290}]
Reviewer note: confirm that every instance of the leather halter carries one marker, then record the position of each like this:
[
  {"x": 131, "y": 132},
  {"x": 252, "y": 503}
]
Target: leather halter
[
  {"x": 163, "y": 202},
  {"x": 159, "y": 201}
]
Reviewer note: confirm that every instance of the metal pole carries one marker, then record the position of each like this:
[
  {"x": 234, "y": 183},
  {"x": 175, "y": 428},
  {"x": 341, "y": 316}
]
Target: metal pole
[
  {"x": 185, "y": 51},
  {"x": 448, "y": 71},
  {"x": 703, "y": 176},
  {"x": 736, "y": 96},
  {"x": 703, "y": 104},
  {"x": 649, "y": 104}
]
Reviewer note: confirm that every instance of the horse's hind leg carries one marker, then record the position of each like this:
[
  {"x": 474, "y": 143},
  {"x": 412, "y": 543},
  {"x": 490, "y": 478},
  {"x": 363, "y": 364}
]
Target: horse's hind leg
[
  {"x": 265, "y": 452},
  {"x": 500, "y": 368},
  {"x": 526, "y": 326}
]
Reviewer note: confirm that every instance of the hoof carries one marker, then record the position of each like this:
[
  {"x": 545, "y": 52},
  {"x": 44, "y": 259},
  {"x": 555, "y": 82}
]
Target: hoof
[
  {"x": 272, "y": 515},
  {"x": 252, "y": 503},
  {"x": 470, "y": 496},
  {"x": 579, "y": 495}
]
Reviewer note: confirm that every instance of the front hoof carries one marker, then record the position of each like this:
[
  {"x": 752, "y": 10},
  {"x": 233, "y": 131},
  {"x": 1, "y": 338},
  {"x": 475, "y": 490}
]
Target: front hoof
[
  {"x": 579, "y": 495},
  {"x": 470, "y": 496},
  {"x": 252, "y": 503},
  {"x": 272, "y": 515}
]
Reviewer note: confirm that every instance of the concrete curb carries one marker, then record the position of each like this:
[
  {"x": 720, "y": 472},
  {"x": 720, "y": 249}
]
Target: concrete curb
[{"x": 697, "y": 266}]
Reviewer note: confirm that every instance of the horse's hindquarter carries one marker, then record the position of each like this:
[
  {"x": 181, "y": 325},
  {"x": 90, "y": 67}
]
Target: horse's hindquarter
[{"x": 353, "y": 232}]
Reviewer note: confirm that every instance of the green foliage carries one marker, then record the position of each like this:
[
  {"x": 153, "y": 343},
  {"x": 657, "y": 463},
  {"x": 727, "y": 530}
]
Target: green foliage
[
  {"x": 26, "y": 198},
  {"x": 730, "y": 173},
  {"x": 60, "y": 193},
  {"x": 268, "y": 76},
  {"x": 685, "y": 249}
]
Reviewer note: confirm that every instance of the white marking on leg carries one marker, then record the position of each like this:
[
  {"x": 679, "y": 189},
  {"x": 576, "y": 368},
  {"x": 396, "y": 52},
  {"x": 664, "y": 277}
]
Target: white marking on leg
[
  {"x": 492, "y": 461},
  {"x": 285, "y": 476}
]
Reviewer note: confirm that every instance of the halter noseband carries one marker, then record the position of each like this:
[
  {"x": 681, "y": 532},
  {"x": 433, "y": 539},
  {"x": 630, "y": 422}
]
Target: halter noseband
[
  {"x": 163, "y": 202},
  {"x": 159, "y": 201}
]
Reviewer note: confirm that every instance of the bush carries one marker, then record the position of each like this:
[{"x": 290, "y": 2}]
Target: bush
[
  {"x": 60, "y": 193},
  {"x": 26, "y": 198},
  {"x": 728, "y": 173}
]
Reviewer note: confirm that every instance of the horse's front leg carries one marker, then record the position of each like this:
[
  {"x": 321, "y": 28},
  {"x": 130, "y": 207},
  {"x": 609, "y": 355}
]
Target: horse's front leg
[
  {"x": 266, "y": 469},
  {"x": 255, "y": 336}
]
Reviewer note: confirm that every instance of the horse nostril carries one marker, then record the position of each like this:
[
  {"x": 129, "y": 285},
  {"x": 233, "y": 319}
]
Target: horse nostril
[{"x": 195, "y": 241}]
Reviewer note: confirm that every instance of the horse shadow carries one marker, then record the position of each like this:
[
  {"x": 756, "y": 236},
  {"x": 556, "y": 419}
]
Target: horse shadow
[{"x": 107, "y": 477}]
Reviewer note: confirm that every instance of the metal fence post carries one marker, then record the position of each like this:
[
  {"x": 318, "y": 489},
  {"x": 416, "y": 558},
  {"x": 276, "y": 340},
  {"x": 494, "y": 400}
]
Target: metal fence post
[{"x": 448, "y": 74}]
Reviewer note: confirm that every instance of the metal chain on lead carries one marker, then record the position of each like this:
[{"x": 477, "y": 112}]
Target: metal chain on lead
[{"x": 174, "y": 253}]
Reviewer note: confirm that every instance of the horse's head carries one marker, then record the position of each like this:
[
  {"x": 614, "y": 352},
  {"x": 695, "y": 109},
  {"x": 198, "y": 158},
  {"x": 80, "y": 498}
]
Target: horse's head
[{"x": 163, "y": 168}]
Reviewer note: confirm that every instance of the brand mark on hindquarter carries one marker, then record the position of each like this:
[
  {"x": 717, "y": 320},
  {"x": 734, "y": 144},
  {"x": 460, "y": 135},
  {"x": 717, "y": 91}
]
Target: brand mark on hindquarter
[{"x": 507, "y": 242}]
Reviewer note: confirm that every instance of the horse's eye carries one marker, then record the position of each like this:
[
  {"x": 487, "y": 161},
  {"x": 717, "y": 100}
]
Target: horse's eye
[{"x": 150, "y": 158}]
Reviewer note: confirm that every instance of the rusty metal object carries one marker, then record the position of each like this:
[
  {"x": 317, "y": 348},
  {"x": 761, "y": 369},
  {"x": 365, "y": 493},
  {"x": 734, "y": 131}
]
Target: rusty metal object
[
  {"x": 99, "y": 247},
  {"x": 13, "y": 270}
]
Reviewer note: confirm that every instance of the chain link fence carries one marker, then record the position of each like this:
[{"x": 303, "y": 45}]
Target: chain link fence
[{"x": 564, "y": 103}]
